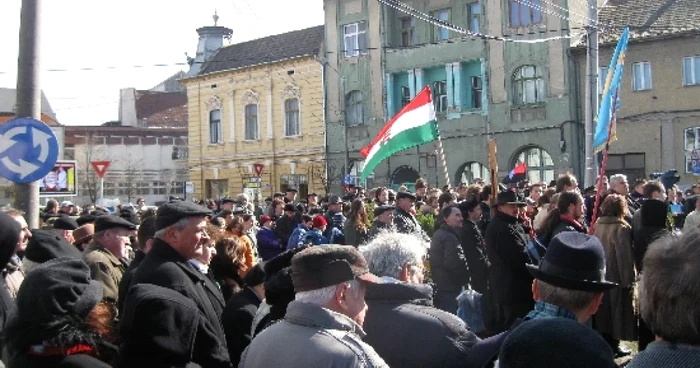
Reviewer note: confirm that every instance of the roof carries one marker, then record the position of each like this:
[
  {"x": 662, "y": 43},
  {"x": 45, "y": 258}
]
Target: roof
[
  {"x": 294, "y": 44},
  {"x": 8, "y": 98},
  {"x": 648, "y": 18},
  {"x": 161, "y": 109}
]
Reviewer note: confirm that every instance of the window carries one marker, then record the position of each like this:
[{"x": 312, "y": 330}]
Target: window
[
  {"x": 691, "y": 70},
  {"x": 641, "y": 76},
  {"x": 474, "y": 12},
  {"x": 291, "y": 117},
  {"x": 69, "y": 151},
  {"x": 355, "y": 39},
  {"x": 441, "y": 33},
  {"x": 354, "y": 108},
  {"x": 405, "y": 96},
  {"x": 528, "y": 86},
  {"x": 525, "y": 13},
  {"x": 473, "y": 171},
  {"x": 630, "y": 164},
  {"x": 476, "y": 92},
  {"x": 440, "y": 96},
  {"x": 180, "y": 153},
  {"x": 540, "y": 166},
  {"x": 602, "y": 77},
  {"x": 215, "y": 126},
  {"x": 407, "y": 26},
  {"x": 251, "y": 122},
  {"x": 692, "y": 150}
]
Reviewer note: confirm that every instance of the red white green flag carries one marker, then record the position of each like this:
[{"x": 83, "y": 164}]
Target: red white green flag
[{"x": 414, "y": 125}]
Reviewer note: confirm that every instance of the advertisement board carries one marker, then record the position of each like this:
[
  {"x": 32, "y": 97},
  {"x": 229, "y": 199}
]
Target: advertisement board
[{"x": 62, "y": 181}]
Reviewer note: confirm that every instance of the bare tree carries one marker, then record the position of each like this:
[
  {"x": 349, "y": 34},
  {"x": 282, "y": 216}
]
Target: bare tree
[
  {"x": 132, "y": 174},
  {"x": 328, "y": 172},
  {"x": 90, "y": 150}
]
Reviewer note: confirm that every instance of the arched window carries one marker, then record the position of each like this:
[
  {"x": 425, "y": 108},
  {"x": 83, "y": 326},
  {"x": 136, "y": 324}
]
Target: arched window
[
  {"x": 528, "y": 85},
  {"x": 471, "y": 171},
  {"x": 404, "y": 175},
  {"x": 354, "y": 108},
  {"x": 540, "y": 167}
]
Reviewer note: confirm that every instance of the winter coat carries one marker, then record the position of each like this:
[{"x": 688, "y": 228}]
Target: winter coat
[
  {"x": 506, "y": 242},
  {"x": 667, "y": 354},
  {"x": 125, "y": 284},
  {"x": 422, "y": 335},
  {"x": 249, "y": 252},
  {"x": 296, "y": 240},
  {"x": 353, "y": 235},
  {"x": 13, "y": 275},
  {"x": 105, "y": 268},
  {"x": 284, "y": 227},
  {"x": 377, "y": 227},
  {"x": 73, "y": 361},
  {"x": 448, "y": 265},
  {"x": 269, "y": 245},
  {"x": 315, "y": 237},
  {"x": 405, "y": 222},
  {"x": 238, "y": 319},
  {"x": 311, "y": 336},
  {"x": 163, "y": 266},
  {"x": 475, "y": 253},
  {"x": 616, "y": 317}
]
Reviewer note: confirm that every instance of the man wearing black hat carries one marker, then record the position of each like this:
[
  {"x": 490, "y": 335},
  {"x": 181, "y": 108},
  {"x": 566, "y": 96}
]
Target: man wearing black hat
[
  {"x": 227, "y": 204},
  {"x": 290, "y": 195},
  {"x": 104, "y": 256},
  {"x": 63, "y": 226},
  {"x": 473, "y": 244},
  {"x": 286, "y": 224},
  {"x": 240, "y": 311},
  {"x": 404, "y": 220},
  {"x": 323, "y": 325},
  {"x": 180, "y": 233},
  {"x": 506, "y": 242},
  {"x": 383, "y": 219}
]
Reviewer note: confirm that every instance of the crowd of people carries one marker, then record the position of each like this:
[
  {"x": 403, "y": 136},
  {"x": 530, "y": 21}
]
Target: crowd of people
[{"x": 533, "y": 277}]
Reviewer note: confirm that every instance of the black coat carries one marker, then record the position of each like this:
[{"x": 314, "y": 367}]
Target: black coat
[
  {"x": 448, "y": 265},
  {"x": 163, "y": 266},
  {"x": 477, "y": 259},
  {"x": 284, "y": 228},
  {"x": 405, "y": 222},
  {"x": 238, "y": 319},
  {"x": 128, "y": 277},
  {"x": 71, "y": 361},
  {"x": 509, "y": 279},
  {"x": 421, "y": 335}
]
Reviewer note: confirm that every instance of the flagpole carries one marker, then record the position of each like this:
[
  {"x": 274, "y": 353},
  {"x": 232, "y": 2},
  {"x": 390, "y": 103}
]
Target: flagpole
[
  {"x": 443, "y": 159},
  {"x": 603, "y": 166}
]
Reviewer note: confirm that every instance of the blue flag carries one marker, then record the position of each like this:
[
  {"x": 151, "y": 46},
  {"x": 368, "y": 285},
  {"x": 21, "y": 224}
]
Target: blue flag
[{"x": 605, "y": 126}]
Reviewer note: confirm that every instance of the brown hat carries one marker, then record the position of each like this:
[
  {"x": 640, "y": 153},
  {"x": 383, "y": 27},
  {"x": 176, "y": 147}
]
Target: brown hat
[
  {"x": 318, "y": 267},
  {"x": 83, "y": 234}
]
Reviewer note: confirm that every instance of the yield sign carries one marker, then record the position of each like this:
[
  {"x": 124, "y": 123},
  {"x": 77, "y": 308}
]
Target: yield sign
[
  {"x": 258, "y": 169},
  {"x": 100, "y": 167}
]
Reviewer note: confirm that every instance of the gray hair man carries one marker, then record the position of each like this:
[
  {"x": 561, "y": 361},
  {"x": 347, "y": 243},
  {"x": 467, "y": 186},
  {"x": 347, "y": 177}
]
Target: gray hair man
[
  {"x": 668, "y": 299},
  {"x": 402, "y": 306},
  {"x": 323, "y": 326}
]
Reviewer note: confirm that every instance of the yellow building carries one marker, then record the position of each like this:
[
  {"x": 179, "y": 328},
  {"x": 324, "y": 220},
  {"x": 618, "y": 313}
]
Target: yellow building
[{"x": 256, "y": 118}]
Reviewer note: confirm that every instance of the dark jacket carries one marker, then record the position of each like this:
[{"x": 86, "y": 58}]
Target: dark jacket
[
  {"x": 405, "y": 222},
  {"x": 269, "y": 245},
  {"x": 448, "y": 264},
  {"x": 125, "y": 284},
  {"x": 71, "y": 361},
  {"x": 354, "y": 236},
  {"x": 564, "y": 224},
  {"x": 284, "y": 227},
  {"x": 159, "y": 328},
  {"x": 666, "y": 354},
  {"x": 509, "y": 279},
  {"x": 377, "y": 227},
  {"x": 421, "y": 335},
  {"x": 475, "y": 253},
  {"x": 163, "y": 266},
  {"x": 238, "y": 319}
]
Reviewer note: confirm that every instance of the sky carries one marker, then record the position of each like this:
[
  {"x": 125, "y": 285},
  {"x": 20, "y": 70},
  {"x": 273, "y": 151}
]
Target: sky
[{"x": 113, "y": 37}]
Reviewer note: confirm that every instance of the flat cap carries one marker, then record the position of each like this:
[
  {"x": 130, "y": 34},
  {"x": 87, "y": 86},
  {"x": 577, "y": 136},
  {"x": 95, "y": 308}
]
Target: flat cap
[
  {"x": 172, "y": 212},
  {"x": 407, "y": 195},
  {"x": 381, "y": 209},
  {"x": 64, "y": 222},
  {"x": 228, "y": 200},
  {"x": 103, "y": 223},
  {"x": 85, "y": 219},
  {"x": 45, "y": 245},
  {"x": 318, "y": 267},
  {"x": 292, "y": 189},
  {"x": 289, "y": 207},
  {"x": 334, "y": 199}
]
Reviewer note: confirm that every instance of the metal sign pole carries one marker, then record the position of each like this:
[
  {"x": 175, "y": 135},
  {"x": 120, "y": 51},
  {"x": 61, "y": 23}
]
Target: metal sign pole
[{"x": 102, "y": 191}]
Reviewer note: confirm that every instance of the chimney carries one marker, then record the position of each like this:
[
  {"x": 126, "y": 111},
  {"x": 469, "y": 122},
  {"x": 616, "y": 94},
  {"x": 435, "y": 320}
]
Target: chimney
[
  {"x": 127, "y": 107},
  {"x": 211, "y": 39}
]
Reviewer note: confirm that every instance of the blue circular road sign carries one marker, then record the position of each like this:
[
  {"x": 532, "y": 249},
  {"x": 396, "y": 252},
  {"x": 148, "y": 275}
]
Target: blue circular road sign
[{"x": 28, "y": 150}]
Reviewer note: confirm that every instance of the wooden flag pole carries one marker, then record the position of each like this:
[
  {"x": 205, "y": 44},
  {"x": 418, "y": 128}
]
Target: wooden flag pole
[
  {"x": 441, "y": 151},
  {"x": 603, "y": 165},
  {"x": 493, "y": 168}
]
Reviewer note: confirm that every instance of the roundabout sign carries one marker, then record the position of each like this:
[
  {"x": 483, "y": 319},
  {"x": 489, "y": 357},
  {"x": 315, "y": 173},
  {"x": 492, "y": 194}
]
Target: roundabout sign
[{"x": 28, "y": 150}]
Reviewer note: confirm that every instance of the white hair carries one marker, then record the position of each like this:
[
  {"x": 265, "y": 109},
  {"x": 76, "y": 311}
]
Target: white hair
[
  {"x": 617, "y": 179},
  {"x": 181, "y": 224},
  {"x": 324, "y": 295},
  {"x": 390, "y": 251}
]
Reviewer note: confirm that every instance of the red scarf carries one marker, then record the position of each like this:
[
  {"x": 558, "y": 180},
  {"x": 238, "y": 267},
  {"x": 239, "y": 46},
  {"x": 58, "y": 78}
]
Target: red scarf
[
  {"x": 44, "y": 350},
  {"x": 574, "y": 222}
]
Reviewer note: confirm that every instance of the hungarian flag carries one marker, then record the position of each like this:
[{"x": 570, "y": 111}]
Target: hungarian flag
[
  {"x": 414, "y": 125},
  {"x": 518, "y": 173}
]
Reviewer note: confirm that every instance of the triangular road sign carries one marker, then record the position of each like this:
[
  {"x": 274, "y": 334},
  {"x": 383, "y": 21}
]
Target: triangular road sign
[
  {"x": 100, "y": 167},
  {"x": 258, "y": 169}
]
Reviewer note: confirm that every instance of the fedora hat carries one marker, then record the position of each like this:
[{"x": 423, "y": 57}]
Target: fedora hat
[
  {"x": 509, "y": 197},
  {"x": 573, "y": 261}
]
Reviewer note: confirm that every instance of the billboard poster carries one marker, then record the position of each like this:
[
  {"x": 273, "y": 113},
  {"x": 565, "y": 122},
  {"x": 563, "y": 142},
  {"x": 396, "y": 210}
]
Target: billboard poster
[{"x": 62, "y": 181}]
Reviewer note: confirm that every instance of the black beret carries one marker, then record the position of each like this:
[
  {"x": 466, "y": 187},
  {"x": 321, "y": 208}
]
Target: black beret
[
  {"x": 64, "y": 222},
  {"x": 172, "y": 212},
  {"x": 255, "y": 275},
  {"x": 130, "y": 215},
  {"x": 291, "y": 189},
  {"x": 227, "y": 200},
  {"x": 281, "y": 261},
  {"x": 103, "y": 223},
  {"x": 289, "y": 207},
  {"x": 278, "y": 194},
  {"x": 99, "y": 212},
  {"x": 407, "y": 195},
  {"x": 45, "y": 245},
  {"x": 9, "y": 236},
  {"x": 381, "y": 209},
  {"x": 85, "y": 219},
  {"x": 469, "y": 204},
  {"x": 60, "y": 287}
]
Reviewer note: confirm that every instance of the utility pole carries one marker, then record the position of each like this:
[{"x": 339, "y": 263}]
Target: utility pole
[
  {"x": 346, "y": 154},
  {"x": 591, "y": 103},
  {"x": 28, "y": 98}
]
